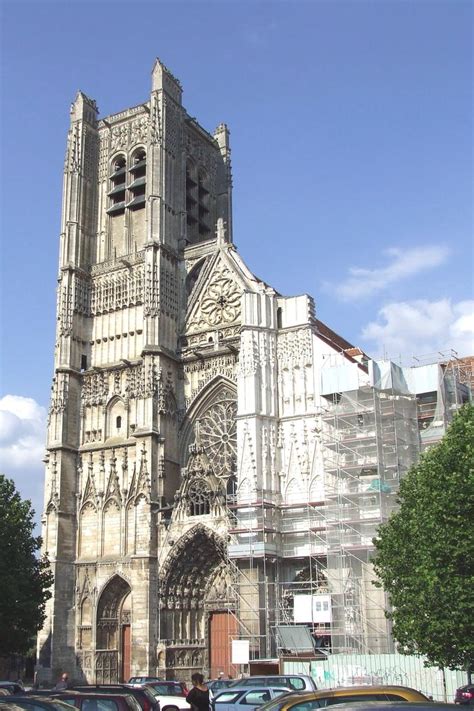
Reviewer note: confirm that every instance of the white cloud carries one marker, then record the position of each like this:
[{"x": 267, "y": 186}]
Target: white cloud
[
  {"x": 22, "y": 446},
  {"x": 421, "y": 327},
  {"x": 404, "y": 263}
]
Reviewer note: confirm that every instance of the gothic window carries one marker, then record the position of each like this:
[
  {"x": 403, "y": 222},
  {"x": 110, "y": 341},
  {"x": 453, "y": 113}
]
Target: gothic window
[
  {"x": 85, "y": 629},
  {"x": 192, "y": 211},
  {"x": 117, "y": 186},
  {"x": 137, "y": 186},
  {"x": 111, "y": 529},
  {"x": 218, "y": 434},
  {"x": 88, "y": 527},
  {"x": 116, "y": 418},
  {"x": 199, "y": 496},
  {"x": 203, "y": 205}
]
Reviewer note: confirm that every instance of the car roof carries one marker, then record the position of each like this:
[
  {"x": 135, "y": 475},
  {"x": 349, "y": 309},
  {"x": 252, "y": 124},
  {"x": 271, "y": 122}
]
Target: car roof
[
  {"x": 32, "y": 699},
  {"x": 395, "y": 705},
  {"x": 77, "y": 692},
  {"x": 368, "y": 688},
  {"x": 257, "y": 687}
]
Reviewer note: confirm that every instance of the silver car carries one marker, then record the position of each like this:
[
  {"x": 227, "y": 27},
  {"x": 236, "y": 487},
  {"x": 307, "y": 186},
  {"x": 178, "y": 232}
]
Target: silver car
[
  {"x": 245, "y": 698},
  {"x": 294, "y": 682}
]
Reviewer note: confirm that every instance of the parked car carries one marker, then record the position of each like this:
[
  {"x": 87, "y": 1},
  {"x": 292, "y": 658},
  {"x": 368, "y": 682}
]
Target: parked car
[
  {"x": 98, "y": 701},
  {"x": 14, "y": 687},
  {"x": 327, "y": 697},
  {"x": 295, "y": 682},
  {"x": 32, "y": 703},
  {"x": 465, "y": 695},
  {"x": 172, "y": 703},
  {"x": 167, "y": 688},
  {"x": 139, "y": 680},
  {"x": 216, "y": 685},
  {"x": 245, "y": 698},
  {"x": 396, "y": 706},
  {"x": 145, "y": 697}
]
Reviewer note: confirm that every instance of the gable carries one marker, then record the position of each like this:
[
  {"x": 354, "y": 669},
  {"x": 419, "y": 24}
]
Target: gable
[{"x": 215, "y": 302}]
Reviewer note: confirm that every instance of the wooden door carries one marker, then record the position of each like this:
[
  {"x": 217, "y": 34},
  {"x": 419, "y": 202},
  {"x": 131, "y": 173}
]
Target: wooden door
[
  {"x": 126, "y": 649},
  {"x": 222, "y": 630}
]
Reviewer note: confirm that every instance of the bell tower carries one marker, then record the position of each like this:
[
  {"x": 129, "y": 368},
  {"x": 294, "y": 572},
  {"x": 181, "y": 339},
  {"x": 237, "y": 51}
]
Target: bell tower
[{"x": 140, "y": 187}]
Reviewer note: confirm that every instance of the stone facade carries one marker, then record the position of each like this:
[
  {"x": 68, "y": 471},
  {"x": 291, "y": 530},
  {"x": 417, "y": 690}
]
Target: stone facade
[{"x": 186, "y": 412}]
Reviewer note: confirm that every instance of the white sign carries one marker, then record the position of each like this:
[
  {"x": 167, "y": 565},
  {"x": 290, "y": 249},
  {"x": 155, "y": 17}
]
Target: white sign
[
  {"x": 240, "y": 651},
  {"x": 312, "y": 608}
]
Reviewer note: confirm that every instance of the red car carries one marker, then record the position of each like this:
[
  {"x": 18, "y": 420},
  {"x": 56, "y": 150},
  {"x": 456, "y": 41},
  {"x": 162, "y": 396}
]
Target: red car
[{"x": 465, "y": 695}]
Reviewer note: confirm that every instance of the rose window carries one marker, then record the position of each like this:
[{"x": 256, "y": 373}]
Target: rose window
[
  {"x": 221, "y": 302},
  {"x": 218, "y": 435}
]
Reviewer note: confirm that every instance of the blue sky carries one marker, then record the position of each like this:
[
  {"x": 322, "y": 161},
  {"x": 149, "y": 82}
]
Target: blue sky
[{"x": 351, "y": 135}]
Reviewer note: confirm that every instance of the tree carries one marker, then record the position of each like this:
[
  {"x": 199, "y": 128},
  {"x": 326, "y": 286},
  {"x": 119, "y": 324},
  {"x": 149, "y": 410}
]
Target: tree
[
  {"x": 24, "y": 578},
  {"x": 425, "y": 552}
]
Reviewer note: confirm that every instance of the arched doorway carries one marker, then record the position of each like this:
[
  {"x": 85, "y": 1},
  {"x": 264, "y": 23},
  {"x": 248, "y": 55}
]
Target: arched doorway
[
  {"x": 113, "y": 633},
  {"x": 197, "y": 584}
]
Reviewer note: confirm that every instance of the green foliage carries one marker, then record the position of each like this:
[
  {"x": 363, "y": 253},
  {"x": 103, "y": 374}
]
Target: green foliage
[
  {"x": 425, "y": 552},
  {"x": 24, "y": 578}
]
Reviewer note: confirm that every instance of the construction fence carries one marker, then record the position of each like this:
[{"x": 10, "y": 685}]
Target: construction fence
[{"x": 398, "y": 669}]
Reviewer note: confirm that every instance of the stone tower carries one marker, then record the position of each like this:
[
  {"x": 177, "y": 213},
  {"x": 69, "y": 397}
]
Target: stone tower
[{"x": 146, "y": 192}]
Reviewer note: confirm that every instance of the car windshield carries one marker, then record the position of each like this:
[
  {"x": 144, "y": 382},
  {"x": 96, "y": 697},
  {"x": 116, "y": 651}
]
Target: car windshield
[{"x": 166, "y": 689}]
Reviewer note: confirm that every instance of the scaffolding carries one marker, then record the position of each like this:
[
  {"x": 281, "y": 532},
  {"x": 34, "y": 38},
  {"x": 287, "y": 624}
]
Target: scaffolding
[
  {"x": 283, "y": 552},
  {"x": 370, "y": 440}
]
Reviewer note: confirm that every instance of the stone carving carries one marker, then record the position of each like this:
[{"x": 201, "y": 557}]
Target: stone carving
[
  {"x": 139, "y": 130},
  {"x": 142, "y": 485},
  {"x": 168, "y": 291},
  {"x": 113, "y": 486},
  {"x": 59, "y": 394},
  {"x": 247, "y": 464},
  {"x": 114, "y": 264},
  {"x": 104, "y": 139},
  {"x": 90, "y": 154},
  {"x": 120, "y": 137},
  {"x": 73, "y": 154},
  {"x": 82, "y": 295},
  {"x": 295, "y": 349},
  {"x": 53, "y": 499},
  {"x": 167, "y": 397},
  {"x": 219, "y": 304},
  {"x": 135, "y": 382},
  {"x": 120, "y": 290},
  {"x": 173, "y": 127},
  {"x": 155, "y": 121},
  {"x": 152, "y": 290},
  {"x": 249, "y": 359},
  {"x": 129, "y": 134},
  {"x": 209, "y": 369},
  {"x": 65, "y": 309},
  {"x": 153, "y": 377},
  {"x": 95, "y": 388}
]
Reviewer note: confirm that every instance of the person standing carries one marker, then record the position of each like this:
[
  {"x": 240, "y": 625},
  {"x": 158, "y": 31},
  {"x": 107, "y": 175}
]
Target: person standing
[
  {"x": 63, "y": 683},
  {"x": 198, "y": 697}
]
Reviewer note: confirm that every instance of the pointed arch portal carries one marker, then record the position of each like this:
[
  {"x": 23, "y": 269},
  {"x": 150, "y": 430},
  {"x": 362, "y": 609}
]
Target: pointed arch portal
[
  {"x": 198, "y": 604},
  {"x": 113, "y": 632}
]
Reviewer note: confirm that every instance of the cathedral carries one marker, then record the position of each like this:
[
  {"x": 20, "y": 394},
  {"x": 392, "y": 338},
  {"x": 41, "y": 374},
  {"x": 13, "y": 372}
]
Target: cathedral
[{"x": 214, "y": 468}]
